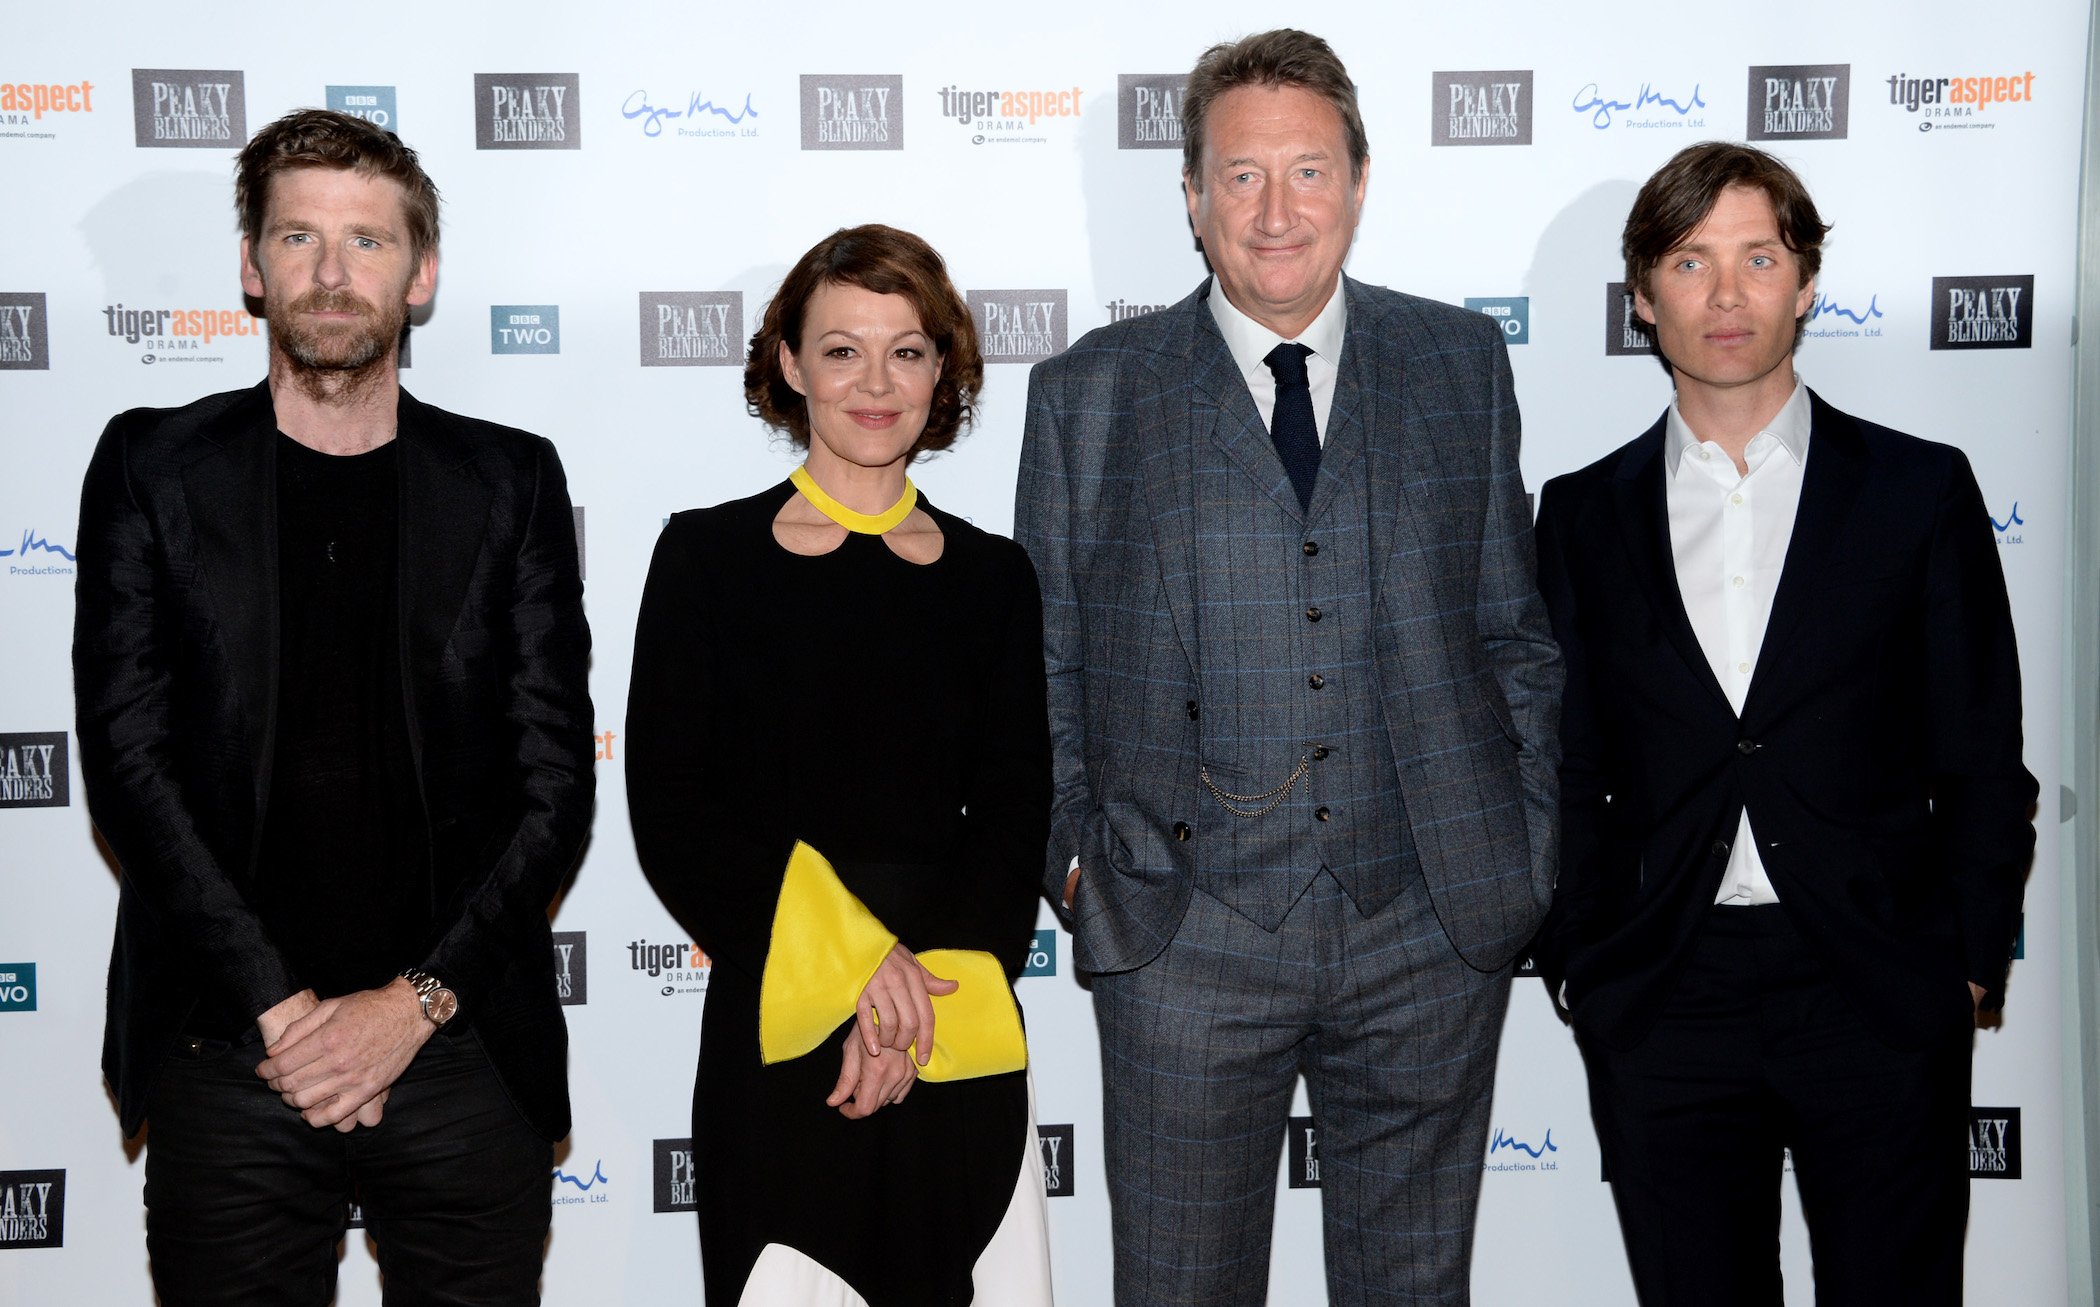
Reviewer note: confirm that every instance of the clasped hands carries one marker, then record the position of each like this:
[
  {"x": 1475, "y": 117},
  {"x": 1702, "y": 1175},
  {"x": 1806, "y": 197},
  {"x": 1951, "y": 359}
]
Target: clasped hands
[
  {"x": 895, "y": 1011},
  {"x": 335, "y": 1059}
]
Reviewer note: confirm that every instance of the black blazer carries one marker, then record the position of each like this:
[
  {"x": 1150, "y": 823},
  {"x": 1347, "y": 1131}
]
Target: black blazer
[
  {"x": 1878, "y": 748},
  {"x": 175, "y": 683}
]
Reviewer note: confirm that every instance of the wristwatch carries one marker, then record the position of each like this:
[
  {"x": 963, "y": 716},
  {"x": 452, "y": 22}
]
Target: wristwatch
[{"x": 439, "y": 1003}]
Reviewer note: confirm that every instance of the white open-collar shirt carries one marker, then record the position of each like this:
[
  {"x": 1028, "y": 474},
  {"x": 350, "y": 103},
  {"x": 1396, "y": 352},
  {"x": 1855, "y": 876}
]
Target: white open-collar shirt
[{"x": 1728, "y": 537}]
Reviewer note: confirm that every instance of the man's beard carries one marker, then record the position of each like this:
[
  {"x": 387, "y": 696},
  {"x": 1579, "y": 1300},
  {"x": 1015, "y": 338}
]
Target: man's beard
[{"x": 344, "y": 351}]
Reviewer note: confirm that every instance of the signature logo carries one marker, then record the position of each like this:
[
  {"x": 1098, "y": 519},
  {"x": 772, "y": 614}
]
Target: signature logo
[
  {"x": 34, "y": 543},
  {"x": 1590, "y": 101},
  {"x": 597, "y": 1177},
  {"x": 1502, "y": 1141},
  {"x": 2010, "y": 522},
  {"x": 1824, "y": 304},
  {"x": 637, "y": 106}
]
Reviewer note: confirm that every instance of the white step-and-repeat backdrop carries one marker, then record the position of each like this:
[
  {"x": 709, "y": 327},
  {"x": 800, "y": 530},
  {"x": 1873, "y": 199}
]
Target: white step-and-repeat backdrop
[{"x": 625, "y": 185}]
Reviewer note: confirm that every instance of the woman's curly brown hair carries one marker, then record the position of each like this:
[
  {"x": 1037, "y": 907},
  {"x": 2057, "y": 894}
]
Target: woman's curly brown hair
[{"x": 888, "y": 262}]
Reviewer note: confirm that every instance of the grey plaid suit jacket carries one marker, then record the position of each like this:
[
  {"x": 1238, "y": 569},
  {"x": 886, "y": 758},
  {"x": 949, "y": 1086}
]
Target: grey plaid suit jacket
[{"x": 1469, "y": 676}]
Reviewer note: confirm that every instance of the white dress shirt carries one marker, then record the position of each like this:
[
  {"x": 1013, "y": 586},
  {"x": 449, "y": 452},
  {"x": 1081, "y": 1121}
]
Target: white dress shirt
[
  {"x": 1728, "y": 537},
  {"x": 1250, "y": 343}
]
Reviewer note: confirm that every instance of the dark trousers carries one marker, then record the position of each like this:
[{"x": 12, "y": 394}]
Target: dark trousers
[
  {"x": 1756, "y": 1053},
  {"x": 245, "y": 1202},
  {"x": 1200, "y": 1050}
]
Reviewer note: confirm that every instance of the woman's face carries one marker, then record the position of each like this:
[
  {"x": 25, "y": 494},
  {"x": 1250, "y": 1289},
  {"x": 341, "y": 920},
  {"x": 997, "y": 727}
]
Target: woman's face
[{"x": 867, "y": 370}]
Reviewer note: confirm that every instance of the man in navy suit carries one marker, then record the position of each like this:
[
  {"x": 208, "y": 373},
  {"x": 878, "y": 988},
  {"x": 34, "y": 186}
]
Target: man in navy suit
[
  {"x": 1796, "y": 817},
  {"x": 1303, "y": 701},
  {"x": 330, "y": 661}
]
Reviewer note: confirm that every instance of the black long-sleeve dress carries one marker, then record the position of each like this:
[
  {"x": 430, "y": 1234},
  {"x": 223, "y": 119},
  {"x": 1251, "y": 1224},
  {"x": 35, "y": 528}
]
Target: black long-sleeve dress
[{"x": 892, "y": 716}]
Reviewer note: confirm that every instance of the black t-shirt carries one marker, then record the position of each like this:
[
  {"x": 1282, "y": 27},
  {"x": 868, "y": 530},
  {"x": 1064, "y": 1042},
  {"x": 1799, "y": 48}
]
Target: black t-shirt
[{"x": 343, "y": 880}]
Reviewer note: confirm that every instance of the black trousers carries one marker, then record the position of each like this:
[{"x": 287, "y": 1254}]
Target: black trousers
[
  {"x": 245, "y": 1202},
  {"x": 1757, "y": 1053}
]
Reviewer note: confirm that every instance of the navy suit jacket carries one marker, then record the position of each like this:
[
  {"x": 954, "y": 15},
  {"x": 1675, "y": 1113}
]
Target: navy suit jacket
[
  {"x": 175, "y": 683},
  {"x": 1878, "y": 748}
]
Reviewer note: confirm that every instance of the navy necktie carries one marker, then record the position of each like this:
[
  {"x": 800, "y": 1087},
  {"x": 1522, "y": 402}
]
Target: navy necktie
[{"x": 1297, "y": 439}]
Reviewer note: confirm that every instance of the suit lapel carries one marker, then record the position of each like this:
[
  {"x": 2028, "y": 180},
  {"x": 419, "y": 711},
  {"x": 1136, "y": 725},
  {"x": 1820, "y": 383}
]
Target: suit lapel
[
  {"x": 1831, "y": 482},
  {"x": 1383, "y": 417},
  {"x": 1171, "y": 415},
  {"x": 1643, "y": 513},
  {"x": 1235, "y": 423},
  {"x": 1344, "y": 442},
  {"x": 444, "y": 517},
  {"x": 231, "y": 494}
]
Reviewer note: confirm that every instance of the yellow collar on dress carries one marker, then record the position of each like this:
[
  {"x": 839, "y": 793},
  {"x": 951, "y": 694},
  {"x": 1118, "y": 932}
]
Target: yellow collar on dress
[{"x": 867, "y": 524}]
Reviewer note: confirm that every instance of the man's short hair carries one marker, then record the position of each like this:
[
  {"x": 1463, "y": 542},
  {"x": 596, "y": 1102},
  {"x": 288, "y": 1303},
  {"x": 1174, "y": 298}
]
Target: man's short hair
[
  {"x": 888, "y": 262},
  {"x": 1285, "y": 57},
  {"x": 323, "y": 138},
  {"x": 1683, "y": 192}
]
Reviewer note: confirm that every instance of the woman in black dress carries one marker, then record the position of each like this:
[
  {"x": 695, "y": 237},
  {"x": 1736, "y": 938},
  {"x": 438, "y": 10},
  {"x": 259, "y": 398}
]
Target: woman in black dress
[{"x": 838, "y": 759}]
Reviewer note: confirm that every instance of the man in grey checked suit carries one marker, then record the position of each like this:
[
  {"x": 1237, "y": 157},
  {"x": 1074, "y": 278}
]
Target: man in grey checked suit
[{"x": 1304, "y": 701}]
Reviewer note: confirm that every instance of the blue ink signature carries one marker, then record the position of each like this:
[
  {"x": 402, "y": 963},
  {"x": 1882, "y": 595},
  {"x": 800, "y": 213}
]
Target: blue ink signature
[
  {"x": 1509, "y": 1141},
  {"x": 597, "y": 1177},
  {"x": 1601, "y": 118},
  {"x": 1825, "y": 304},
  {"x": 32, "y": 542},
  {"x": 653, "y": 117},
  {"x": 2008, "y": 524}
]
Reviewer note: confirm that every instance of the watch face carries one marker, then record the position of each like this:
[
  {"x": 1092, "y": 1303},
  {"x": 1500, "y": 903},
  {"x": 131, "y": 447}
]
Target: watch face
[{"x": 441, "y": 1004}]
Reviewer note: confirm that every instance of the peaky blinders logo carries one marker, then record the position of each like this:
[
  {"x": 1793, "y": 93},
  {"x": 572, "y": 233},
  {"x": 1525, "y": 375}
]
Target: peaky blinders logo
[
  {"x": 692, "y": 329},
  {"x": 1624, "y": 331},
  {"x": 852, "y": 111},
  {"x": 1994, "y": 1143},
  {"x": 1799, "y": 102},
  {"x": 1056, "y": 1143},
  {"x": 676, "y": 1185},
  {"x": 1983, "y": 312},
  {"x": 1148, "y": 110},
  {"x": 25, "y": 337},
  {"x": 188, "y": 109},
  {"x": 572, "y": 982},
  {"x": 1019, "y": 326},
  {"x": 528, "y": 111},
  {"x": 34, "y": 769},
  {"x": 32, "y": 1209},
  {"x": 1303, "y": 1168},
  {"x": 1480, "y": 108}
]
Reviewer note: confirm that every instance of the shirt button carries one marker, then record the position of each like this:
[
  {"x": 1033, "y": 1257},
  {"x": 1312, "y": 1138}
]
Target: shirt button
[
  {"x": 1316, "y": 680},
  {"x": 1320, "y": 814},
  {"x": 1705, "y": 453},
  {"x": 1735, "y": 499},
  {"x": 1312, "y": 614},
  {"x": 1182, "y": 831},
  {"x": 1309, "y": 548},
  {"x": 1737, "y": 583},
  {"x": 1744, "y": 668}
]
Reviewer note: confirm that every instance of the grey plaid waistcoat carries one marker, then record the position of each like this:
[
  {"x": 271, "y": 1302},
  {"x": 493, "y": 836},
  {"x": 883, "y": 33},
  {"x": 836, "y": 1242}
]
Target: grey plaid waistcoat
[{"x": 1288, "y": 677}]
